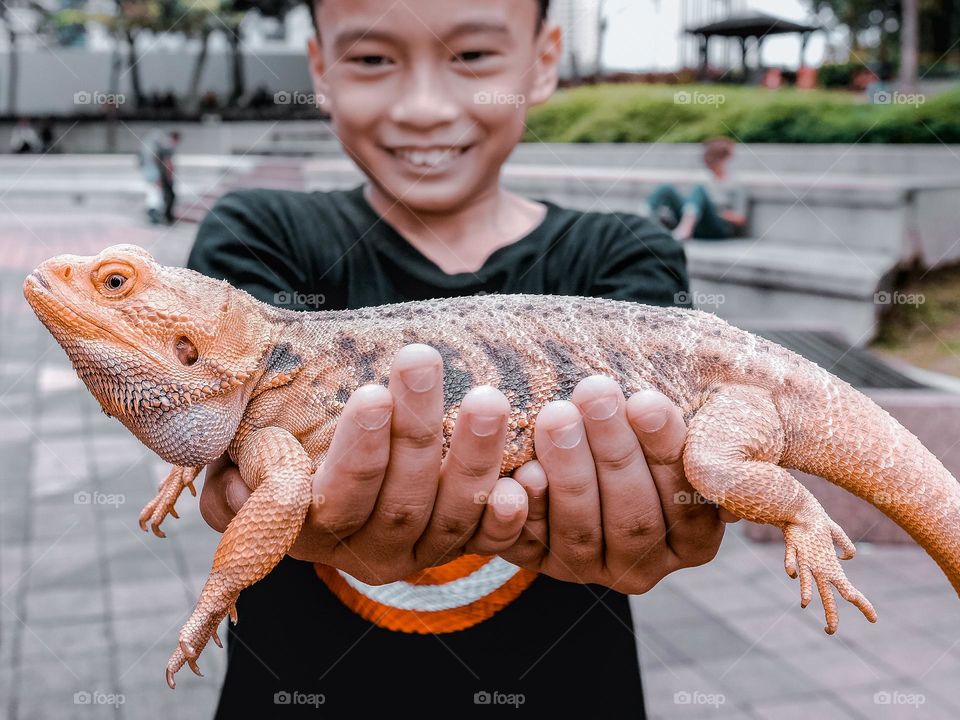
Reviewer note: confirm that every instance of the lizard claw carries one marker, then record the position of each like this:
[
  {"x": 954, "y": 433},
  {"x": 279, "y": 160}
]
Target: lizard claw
[
  {"x": 810, "y": 555},
  {"x": 233, "y": 614},
  {"x": 200, "y": 628},
  {"x": 163, "y": 504}
]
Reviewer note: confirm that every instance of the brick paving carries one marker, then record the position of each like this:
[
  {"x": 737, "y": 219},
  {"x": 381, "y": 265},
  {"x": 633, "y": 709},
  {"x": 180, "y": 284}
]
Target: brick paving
[{"x": 90, "y": 606}]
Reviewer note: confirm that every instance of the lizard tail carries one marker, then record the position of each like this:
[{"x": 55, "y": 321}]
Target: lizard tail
[{"x": 854, "y": 443}]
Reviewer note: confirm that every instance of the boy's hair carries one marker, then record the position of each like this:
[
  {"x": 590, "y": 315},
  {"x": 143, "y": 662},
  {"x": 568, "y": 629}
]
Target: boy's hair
[
  {"x": 717, "y": 149},
  {"x": 544, "y": 7}
]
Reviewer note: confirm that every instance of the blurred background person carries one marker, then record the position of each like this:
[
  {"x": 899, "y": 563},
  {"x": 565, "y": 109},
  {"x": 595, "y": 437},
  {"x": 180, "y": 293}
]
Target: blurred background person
[{"x": 716, "y": 210}]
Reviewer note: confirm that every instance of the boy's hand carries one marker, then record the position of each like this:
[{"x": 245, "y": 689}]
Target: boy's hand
[
  {"x": 384, "y": 505},
  {"x": 620, "y": 510}
]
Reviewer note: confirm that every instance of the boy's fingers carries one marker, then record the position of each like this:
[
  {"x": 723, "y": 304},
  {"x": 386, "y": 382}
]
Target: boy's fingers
[
  {"x": 469, "y": 473},
  {"x": 633, "y": 520},
  {"x": 409, "y": 488},
  {"x": 215, "y": 502},
  {"x": 503, "y": 518},
  {"x": 576, "y": 537},
  {"x": 693, "y": 529},
  {"x": 533, "y": 480},
  {"x": 533, "y": 543},
  {"x": 348, "y": 482}
]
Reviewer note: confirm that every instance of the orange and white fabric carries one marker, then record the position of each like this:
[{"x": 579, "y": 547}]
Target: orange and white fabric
[{"x": 441, "y": 599}]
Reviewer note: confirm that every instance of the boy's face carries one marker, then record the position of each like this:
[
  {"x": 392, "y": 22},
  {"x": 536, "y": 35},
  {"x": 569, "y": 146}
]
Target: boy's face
[{"x": 429, "y": 97}]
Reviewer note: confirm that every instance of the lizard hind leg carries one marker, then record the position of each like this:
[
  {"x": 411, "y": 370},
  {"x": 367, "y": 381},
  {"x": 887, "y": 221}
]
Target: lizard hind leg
[
  {"x": 733, "y": 446},
  {"x": 278, "y": 468}
]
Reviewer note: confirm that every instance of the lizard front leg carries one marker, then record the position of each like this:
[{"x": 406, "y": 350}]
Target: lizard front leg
[
  {"x": 275, "y": 466},
  {"x": 163, "y": 504},
  {"x": 733, "y": 445}
]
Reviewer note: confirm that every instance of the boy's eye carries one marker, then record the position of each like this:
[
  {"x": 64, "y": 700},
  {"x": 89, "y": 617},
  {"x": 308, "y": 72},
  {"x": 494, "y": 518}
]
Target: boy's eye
[
  {"x": 371, "y": 60},
  {"x": 473, "y": 55}
]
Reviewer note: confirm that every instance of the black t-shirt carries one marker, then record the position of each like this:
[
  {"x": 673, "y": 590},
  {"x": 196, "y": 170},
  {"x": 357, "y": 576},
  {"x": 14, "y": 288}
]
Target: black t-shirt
[{"x": 561, "y": 646}]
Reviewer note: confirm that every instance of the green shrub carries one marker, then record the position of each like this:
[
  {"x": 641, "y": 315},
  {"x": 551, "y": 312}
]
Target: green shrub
[{"x": 652, "y": 113}]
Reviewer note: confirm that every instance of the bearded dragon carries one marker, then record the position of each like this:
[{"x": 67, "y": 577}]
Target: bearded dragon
[{"x": 194, "y": 367}]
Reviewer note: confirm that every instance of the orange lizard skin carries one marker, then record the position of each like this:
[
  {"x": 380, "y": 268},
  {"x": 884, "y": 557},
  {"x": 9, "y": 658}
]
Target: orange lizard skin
[{"x": 194, "y": 367}]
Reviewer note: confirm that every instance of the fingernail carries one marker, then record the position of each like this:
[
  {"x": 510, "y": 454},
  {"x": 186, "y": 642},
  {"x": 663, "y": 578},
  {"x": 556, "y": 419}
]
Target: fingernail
[
  {"x": 652, "y": 421},
  {"x": 485, "y": 425},
  {"x": 419, "y": 379},
  {"x": 602, "y": 408},
  {"x": 374, "y": 418},
  {"x": 507, "y": 510},
  {"x": 568, "y": 436}
]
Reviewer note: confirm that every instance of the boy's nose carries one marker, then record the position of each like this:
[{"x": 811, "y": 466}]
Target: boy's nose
[{"x": 424, "y": 102}]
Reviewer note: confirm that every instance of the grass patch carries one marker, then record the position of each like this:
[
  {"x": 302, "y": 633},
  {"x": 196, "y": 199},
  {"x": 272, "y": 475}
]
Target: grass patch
[{"x": 926, "y": 333}]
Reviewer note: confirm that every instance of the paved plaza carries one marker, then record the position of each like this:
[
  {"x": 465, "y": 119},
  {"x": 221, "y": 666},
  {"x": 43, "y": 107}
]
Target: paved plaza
[{"x": 90, "y": 606}]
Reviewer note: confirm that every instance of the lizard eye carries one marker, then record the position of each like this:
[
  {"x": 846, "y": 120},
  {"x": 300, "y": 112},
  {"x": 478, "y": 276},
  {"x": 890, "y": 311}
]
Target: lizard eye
[
  {"x": 114, "y": 279},
  {"x": 186, "y": 351}
]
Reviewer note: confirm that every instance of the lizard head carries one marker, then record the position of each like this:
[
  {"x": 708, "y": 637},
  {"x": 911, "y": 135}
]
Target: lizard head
[{"x": 167, "y": 351}]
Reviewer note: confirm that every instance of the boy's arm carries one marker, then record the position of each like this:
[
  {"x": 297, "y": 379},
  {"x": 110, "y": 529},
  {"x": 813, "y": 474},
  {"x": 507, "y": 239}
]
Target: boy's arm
[
  {"x": 373, "y": 513},
  {"x": 738, "y": 213},
  {"x": 614, "y": 467}
]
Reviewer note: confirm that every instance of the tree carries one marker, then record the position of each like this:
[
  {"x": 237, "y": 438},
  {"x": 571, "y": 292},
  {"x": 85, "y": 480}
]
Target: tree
[
  {"x": 908, "y": 45},
  {"x": 906, "y": 28},
  {"x": 233, "y": 15},
  {"x": 10, "y": 13}
]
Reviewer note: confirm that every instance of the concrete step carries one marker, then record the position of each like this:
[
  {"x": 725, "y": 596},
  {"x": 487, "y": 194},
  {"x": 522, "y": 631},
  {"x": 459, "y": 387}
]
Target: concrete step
[
  {"x": 748, "y": 282},
  {"x": 829, "y": 159},
  {"x": 909, "y": 217}
]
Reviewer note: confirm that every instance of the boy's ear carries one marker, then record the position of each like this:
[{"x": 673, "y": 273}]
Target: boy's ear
[
  {"x": 318, "y": 69},
  {"x": 546, "y": 70}
]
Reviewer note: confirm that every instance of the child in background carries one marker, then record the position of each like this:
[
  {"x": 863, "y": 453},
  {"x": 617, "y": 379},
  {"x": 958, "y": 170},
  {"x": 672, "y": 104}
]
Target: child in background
[{"x": 715, "y": 211}]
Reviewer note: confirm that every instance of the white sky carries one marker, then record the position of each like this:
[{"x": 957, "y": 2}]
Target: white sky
[{"x": 644, "y": 34}]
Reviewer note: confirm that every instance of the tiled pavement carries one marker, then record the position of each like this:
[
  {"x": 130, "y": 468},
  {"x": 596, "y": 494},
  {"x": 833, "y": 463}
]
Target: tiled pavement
[{"x": 90, "y": 606}]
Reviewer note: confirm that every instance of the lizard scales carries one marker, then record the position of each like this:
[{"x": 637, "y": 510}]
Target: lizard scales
[{"x": 194, "y": 367}]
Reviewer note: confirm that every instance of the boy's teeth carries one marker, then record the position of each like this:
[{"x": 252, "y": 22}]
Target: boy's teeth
[{"x": 429, "y": 157}]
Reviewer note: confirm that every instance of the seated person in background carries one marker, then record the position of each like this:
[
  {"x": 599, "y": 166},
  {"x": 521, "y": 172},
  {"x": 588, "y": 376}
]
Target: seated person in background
[{"x": 715, "y": 211}]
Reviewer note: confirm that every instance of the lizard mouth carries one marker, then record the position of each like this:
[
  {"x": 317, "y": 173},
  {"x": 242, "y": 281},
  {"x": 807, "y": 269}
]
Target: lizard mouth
[{"x": 52, "y": 311}]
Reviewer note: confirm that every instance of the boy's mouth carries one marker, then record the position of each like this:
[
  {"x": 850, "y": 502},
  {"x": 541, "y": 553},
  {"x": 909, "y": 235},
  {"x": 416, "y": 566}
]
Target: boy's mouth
[{"x": 428, "y": 159}]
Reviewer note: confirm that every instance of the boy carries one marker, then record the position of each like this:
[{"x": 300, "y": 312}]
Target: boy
[
  {"x": 359, "y": 618},
  {"x": 717, "y": 211}
]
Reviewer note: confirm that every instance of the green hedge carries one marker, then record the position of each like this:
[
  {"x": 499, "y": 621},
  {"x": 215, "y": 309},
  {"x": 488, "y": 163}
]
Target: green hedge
[{"x": 671, "y": 113}]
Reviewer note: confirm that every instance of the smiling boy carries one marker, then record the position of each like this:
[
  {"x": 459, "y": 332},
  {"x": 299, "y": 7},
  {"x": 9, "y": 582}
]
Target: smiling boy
[{"x": 422, "y": 582}]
